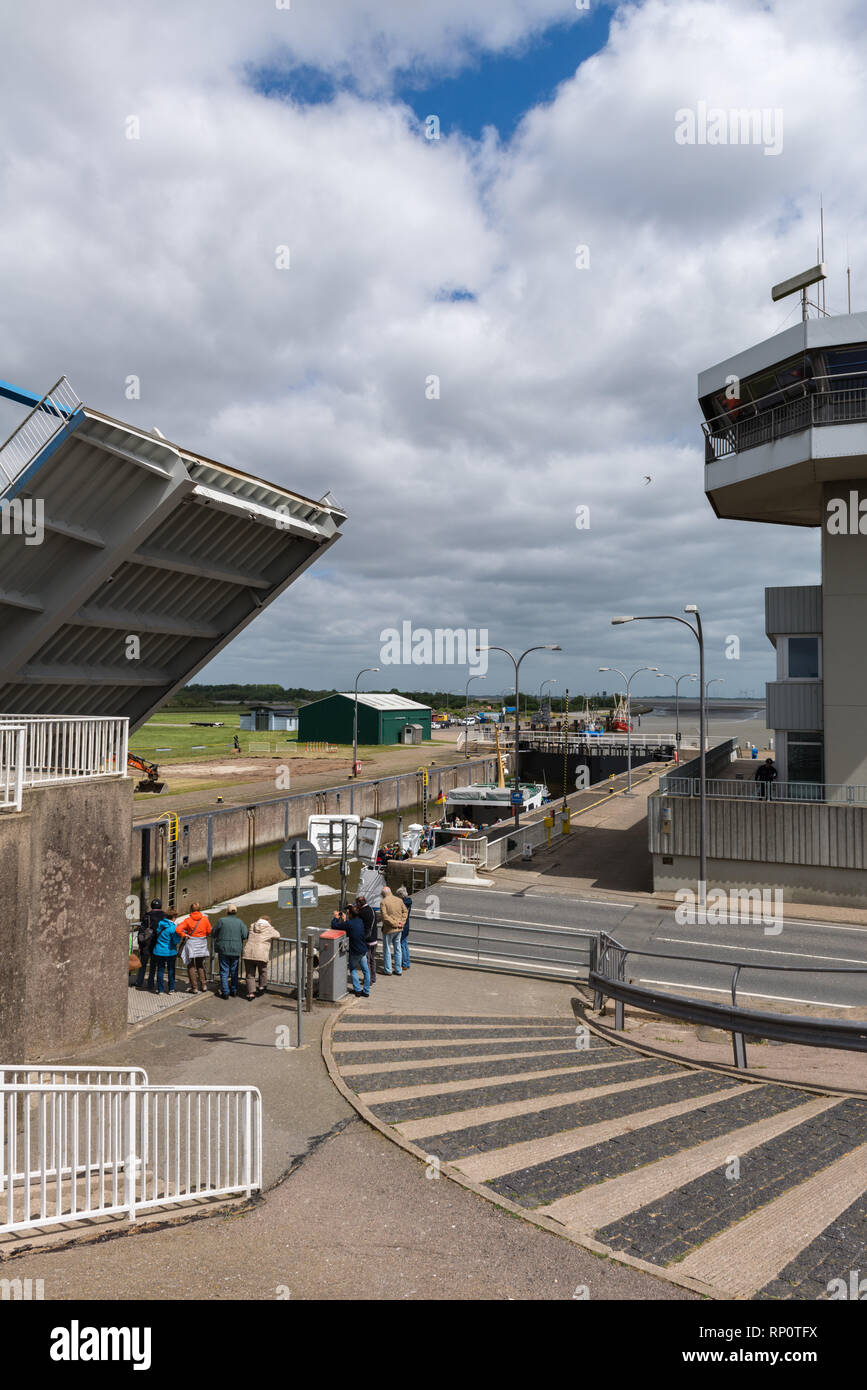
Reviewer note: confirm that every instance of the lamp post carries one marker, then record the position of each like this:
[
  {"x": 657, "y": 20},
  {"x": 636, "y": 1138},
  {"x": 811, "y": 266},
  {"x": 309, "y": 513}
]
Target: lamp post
[
  {"x": 702, "y": 813},
  {"x": 552, "y": 680},
  {"x": 467, "y": 716},
  {"x": 548, "y": 647},
  {"x": 707, "y": 685},
  {"x": 689, "y": 676},
  {"x": 355, "y": 718},
  {"x": 629, "y": 681}
]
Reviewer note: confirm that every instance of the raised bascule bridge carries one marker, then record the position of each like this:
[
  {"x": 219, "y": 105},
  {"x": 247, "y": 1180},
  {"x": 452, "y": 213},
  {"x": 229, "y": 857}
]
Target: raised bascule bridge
[
  {"x": 142, "y": 539},
  {"x": 127, "y": 562}
]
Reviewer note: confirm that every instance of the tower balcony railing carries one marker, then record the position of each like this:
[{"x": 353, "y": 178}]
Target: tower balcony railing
[
  {"x": 820, "y": 400},
  {"x": 837, "y": 794}
]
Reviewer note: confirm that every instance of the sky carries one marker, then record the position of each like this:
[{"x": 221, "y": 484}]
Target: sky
[{"x": 438, "y": 353}]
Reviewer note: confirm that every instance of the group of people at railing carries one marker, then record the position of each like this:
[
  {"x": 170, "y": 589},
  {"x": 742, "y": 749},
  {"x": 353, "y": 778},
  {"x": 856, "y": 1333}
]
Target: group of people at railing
[
  {"x": 163, "y": 940},
  {"x": 362, "y": 922}
]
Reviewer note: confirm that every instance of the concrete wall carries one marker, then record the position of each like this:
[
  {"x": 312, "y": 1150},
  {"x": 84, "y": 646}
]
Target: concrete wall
[
  {"x": 816, "y": 848},
  {"x": 844, "y": 653},
  {"x": 64, "y": 878},
  {"x": 799, "y": 883}
]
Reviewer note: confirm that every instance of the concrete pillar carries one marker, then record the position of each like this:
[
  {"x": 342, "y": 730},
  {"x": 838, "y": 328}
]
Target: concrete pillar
[
  {"x": 844, "y": 650},
  {"x": 64, "y": 880}
]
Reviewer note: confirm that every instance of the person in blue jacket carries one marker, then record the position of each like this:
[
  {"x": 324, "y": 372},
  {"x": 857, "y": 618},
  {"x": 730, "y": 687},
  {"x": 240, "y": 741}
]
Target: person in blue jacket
[
  {"x": 358, "y": 966},
  {"x": 165, "y": 953}
]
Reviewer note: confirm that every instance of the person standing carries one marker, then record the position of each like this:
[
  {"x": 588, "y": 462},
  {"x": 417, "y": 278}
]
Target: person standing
[
  {"x": 165, "y": 953},
  {"x": 147, "y": 935},
  {"x": 256, "y": 954},
  {"x": 404, "y": 936},
  {"x": 394, "y": 917},
  {"x": 194, "y": 932},
  {"x": 354, "y": 928},
  {"x": 765, "y": 775},
  {"x": 230, "y": 933},
  {"x": 362, "y": 909}
]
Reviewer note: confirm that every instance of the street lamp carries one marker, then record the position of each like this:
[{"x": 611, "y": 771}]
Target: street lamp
[
  {"x": 628, "y": 791},
  {"x": 702, "y": 811},
  {"x": 355, "y": 718},
  {"x": 467, "y": 716},
  {"x": 548, "y": 647},
  {"x": 707, "y": 686},
  {"x": 690, "y": 676},
  {"x": 552, "y": 680}
]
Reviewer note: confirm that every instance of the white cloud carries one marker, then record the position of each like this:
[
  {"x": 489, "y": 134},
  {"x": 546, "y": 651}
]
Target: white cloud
[{"x": 559, "y": 386}]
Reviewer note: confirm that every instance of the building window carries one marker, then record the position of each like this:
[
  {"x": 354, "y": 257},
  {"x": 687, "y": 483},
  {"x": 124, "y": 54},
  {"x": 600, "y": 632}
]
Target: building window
[
  {"x": 805, "y": 757},
  {"x": 803, "y": 658}
]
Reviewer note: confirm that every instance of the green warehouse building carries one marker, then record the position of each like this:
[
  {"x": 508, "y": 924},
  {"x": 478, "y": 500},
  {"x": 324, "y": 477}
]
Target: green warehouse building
[{"x": 381, "y": 719}]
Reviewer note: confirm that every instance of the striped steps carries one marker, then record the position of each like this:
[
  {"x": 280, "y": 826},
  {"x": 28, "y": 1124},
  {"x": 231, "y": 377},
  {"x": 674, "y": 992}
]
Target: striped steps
[{"x": 755, "y": 1190}]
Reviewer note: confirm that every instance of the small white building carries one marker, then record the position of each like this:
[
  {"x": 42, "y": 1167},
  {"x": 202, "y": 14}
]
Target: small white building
[{"x": 268, "y": 717}]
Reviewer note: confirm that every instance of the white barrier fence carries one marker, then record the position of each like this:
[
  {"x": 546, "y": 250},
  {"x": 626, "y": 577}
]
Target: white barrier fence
[
  {"x": 40, "y": 749},
  {"x": 474, "y": 851},
  {"x": 103, "y": 1142}
]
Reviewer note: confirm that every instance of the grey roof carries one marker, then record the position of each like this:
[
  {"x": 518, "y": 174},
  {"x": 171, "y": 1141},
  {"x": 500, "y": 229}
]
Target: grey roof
[
  {"x": 142, "y": 538},
  {"x": 383, "y": 702}
]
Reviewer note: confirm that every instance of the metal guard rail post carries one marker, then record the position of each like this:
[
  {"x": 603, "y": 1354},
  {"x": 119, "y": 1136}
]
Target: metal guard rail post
[{"x": 608, "y": 979}]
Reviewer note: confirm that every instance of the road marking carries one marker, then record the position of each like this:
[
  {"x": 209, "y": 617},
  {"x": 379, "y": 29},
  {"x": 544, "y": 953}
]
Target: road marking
[
  {"x": 748, "y": 994},
  {"x": 553, "y": 898},
  {"x": 515, "y": 922},
  {"x": 762, "y": 950}
]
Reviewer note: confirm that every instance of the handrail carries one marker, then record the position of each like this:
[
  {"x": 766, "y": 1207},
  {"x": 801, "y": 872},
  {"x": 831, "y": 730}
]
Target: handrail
[
  {"x": 811, "y": 1032},
  {"x": 727, "y": 788},
  {"x": 793, "y": 386},
  {"x": 34, "y": 432}
]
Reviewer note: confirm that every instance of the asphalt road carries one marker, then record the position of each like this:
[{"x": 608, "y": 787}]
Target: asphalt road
[{"x": 810, "y": 948}]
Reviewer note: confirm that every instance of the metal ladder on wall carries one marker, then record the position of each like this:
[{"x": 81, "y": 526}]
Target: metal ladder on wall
[{"x": 171, "y": 838}]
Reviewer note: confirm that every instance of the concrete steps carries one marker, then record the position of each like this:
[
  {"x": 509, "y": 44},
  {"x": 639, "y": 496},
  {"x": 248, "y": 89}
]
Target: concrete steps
[{"x": 748, "y": 1189}]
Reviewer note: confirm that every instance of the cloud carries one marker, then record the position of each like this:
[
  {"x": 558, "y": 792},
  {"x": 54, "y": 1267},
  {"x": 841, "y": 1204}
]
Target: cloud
[{"x": 558, "y": 386}]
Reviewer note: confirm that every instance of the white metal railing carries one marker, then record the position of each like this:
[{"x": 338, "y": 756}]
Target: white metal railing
[
  {"x": 13, "y": 742},
  {"x": 843, "y": 794},
  {"x": 37, "y": 749},
  {"x": 474, "y": 851},
  {"x": 75, "y": 1149},
  {"x": 37, "y": 429}
]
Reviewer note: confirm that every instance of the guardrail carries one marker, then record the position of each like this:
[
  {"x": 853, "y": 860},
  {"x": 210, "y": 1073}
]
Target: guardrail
[
  {"x": 37, "y": 429},
  {"x": 553, "y": 953},
  {"x": 746, "y": 428},
  {"x": 474, "y": 851},
  {"x": 77, "y": 1149},
  {"x": 608, "y": 979},
  {"x": 840, "y": 794},
  {"x": 42, "y": 749},
  {"x": 282, "y": 972},
  {"x": 553, "y": 741}
]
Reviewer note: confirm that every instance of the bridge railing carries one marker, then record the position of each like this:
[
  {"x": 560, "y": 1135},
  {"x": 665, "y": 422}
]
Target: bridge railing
[
  {"x": 76, "y": 1149},
  {"x": 37, "y": 429},
  {"x": 39, "y": 749},
  {"x": 608, "y": 977}
]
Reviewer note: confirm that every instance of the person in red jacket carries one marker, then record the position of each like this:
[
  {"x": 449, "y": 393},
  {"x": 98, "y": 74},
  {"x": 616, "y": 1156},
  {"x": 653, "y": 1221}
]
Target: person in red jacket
[{"x": 194, "y": 932}]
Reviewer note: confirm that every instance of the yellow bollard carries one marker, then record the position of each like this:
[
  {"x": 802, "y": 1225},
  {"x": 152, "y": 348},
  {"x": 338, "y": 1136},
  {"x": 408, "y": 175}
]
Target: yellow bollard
[
  {"x": 548, "y": 822},
  {"x": 567, "y": 821}
]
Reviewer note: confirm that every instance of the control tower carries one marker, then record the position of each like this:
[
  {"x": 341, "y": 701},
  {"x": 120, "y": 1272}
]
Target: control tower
[{"x": 786, "y": 444}]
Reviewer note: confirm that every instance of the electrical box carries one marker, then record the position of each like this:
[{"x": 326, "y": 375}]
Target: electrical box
[{"x": 333, "y": 965}]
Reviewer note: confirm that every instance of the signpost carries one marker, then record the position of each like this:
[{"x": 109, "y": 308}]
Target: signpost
[{"x": 298, "y": 856}]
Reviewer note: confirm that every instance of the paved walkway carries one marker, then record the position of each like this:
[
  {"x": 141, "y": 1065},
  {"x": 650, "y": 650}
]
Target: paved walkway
[{"x": 737, "y": 1189}]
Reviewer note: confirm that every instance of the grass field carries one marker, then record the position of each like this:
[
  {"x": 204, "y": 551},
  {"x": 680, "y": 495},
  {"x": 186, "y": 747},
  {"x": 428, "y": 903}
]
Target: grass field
[{"x": 170, "y": 737}]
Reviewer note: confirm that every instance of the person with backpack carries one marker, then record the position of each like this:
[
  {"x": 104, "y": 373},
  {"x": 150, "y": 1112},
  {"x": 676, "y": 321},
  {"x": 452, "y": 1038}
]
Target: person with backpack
[
  {"x": 362, "y": 909},
  {"x": 147, "y": 935},
  {"x": 194, "y": 931},
  {"x": 165, "y": 953},
  {"x": 229, "y": 936}
]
